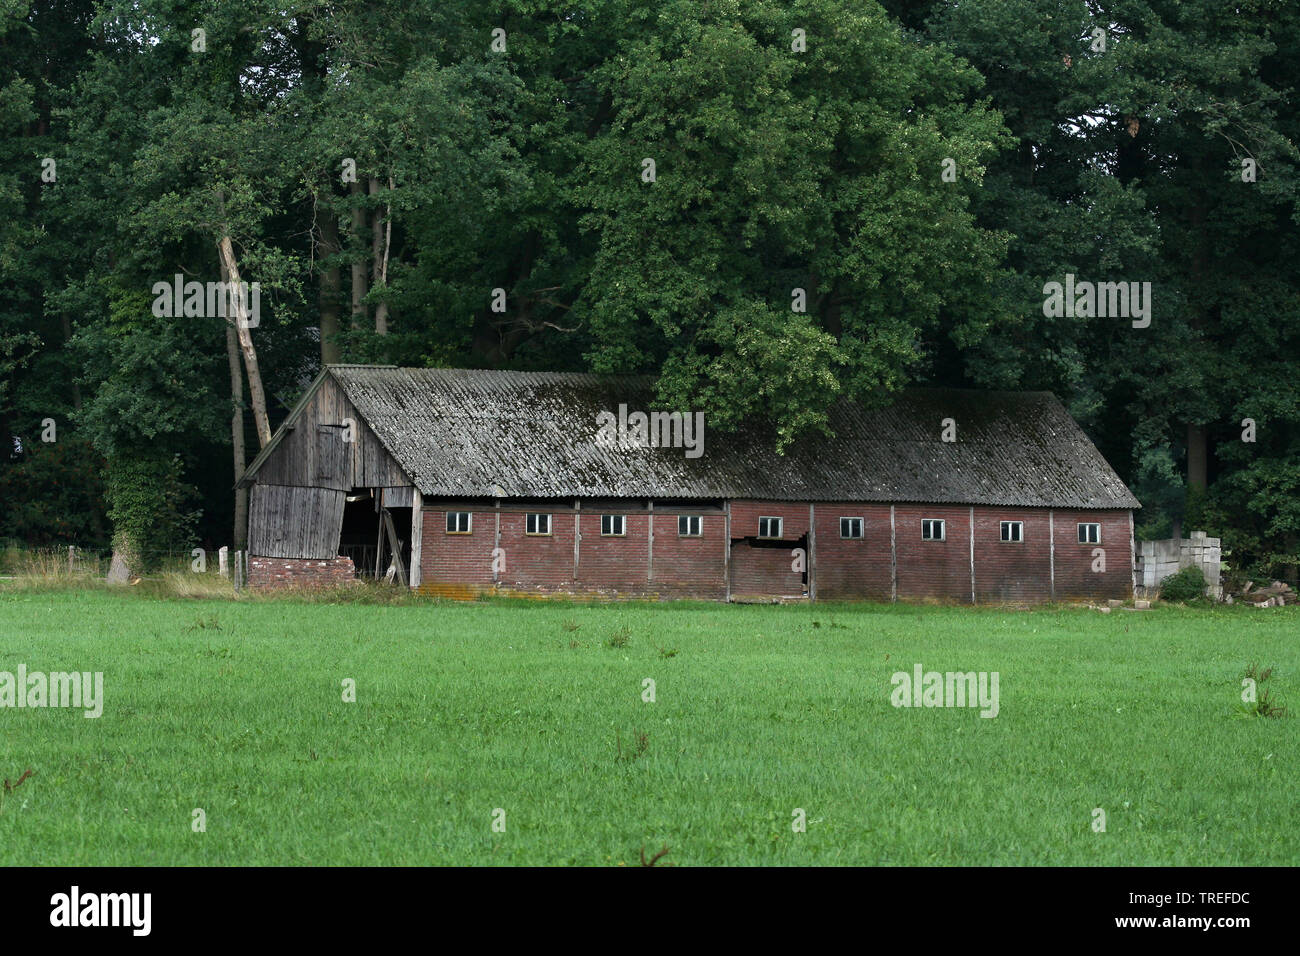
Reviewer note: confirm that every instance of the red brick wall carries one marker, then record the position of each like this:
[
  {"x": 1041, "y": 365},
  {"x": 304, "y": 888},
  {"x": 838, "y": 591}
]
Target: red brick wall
[
  {"x": 848, "y": 568},
  {"x": 457, "y": 565},
  {"x": 619, "y": 564},
  {"x": 690, "y": 567},
  {"x": 299, "y": 572},
  {"x": 1009, "y": 571},
  {"x": 763, "y": 572},
  {"x": 544, "y": 562},
  {"x": 758, "y": 571},
  {"x": 1075, "y": 579},
  {"x": 745, "y": 515},
  {"x": 933, "y": 569},
  {"x": 460, "y": 565},
  {"x": 845, "y": 569}
]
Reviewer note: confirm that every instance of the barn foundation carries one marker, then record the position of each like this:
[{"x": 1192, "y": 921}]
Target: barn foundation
[{"x": 299, "y": 572}]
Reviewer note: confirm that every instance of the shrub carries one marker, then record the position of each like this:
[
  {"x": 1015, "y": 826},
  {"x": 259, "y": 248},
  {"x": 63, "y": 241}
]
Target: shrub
[{"x": 1187, "y": 584}]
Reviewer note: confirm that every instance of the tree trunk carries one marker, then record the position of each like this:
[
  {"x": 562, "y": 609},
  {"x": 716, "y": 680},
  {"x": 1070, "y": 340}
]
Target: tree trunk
[
  {"x": 331, "y": 285},
  {"x": 381, "y": 236},
  {"x": 237, "y": 437},
  {"x": 359, "y": 287},
  {"x": 125, "y": 563},
  {"x": 255, "y": 391}
]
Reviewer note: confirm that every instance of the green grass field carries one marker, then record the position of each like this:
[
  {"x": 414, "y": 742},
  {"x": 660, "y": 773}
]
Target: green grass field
[{"x": 236, "y": 707}]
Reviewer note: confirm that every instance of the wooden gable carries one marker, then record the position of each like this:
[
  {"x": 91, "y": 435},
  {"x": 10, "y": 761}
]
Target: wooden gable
[{"x": 315, "y": 450}]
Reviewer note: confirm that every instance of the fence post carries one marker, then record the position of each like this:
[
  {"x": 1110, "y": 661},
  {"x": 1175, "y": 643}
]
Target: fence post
[
  {"x": 223, "y": 558},
  {"x": 71, "y": 561}
]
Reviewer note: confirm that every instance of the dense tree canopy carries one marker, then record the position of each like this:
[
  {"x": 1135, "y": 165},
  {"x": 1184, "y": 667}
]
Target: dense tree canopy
[{"x": 765, "y": 205}]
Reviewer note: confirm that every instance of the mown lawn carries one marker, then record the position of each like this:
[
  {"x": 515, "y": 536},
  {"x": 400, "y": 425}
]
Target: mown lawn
[{"x": 236, "y": 708}]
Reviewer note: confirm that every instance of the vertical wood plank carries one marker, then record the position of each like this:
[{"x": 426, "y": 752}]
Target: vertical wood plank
[
  {"x": 577, "y": 536},
  {"x": 650, "y": 543},
  {"x": 972, "y": 554},
  {"x": 417, "y": 538},
  {"x": 1051, "y": 553},
  {"x": 893, "y": 556},
  {"x": 812, "y": 552},
  {"x": 726, "y": 546}
]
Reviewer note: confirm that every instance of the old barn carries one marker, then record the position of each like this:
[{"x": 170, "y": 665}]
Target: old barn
[{"x": 459, "y": 481}]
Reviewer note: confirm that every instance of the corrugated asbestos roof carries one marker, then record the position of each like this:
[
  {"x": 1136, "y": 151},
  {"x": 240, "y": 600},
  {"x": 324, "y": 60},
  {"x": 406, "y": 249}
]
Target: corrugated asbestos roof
[{"x": 460, "y": 432}]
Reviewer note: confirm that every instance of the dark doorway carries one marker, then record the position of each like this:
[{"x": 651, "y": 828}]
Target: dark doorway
[
  {"x": 402, "y": 529},
  {"x": 360, "y": 536},
  {"x": 372, "y": 535}
]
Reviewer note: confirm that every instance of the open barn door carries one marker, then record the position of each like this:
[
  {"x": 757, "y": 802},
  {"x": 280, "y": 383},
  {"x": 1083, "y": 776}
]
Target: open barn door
[
  {"x": 377, "y": 533},
  {"x": 395, "y": 546}
]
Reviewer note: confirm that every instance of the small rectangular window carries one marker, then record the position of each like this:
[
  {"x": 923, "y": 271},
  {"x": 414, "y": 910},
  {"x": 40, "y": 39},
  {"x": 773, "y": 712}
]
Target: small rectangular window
[
  {"x": 769, "y": 527},
  {"x": 1090, "y": 534},
  {"x": 688, "y": 526},
  {"x": 537, "y": 524},
  {"x": 850, "y": 527},
  {"x": 1013, "y": 531},
  {"x": 458, "y": 522},
  {"x": 613, "y": 526},
  {"x": 932, "y": 529}
]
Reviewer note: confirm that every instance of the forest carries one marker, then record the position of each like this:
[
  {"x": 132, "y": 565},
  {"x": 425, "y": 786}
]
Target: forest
[{"x": 766, "y": 205}]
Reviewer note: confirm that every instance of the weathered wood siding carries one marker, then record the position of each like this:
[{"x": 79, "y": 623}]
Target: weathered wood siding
[
  {"x": 314, "y": 453},
  {"x": 293, "y": 522},
  {"x": 402, "y": 497}
]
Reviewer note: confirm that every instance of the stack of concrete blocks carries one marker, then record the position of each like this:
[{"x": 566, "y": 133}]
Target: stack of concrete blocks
[{"x": 1157, "y": 560}]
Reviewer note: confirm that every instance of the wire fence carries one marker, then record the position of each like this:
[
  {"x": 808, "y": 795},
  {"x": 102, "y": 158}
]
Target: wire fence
[
  {"x": 77, "y": 561},
  {"x": 363, "y": 558},
  {"x": 74, "y": 560}
]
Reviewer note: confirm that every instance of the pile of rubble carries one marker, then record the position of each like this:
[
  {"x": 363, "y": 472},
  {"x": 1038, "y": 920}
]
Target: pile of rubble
[
  {"x": 1138, "y": 605},
  {"x": 1275, "y": 595}
]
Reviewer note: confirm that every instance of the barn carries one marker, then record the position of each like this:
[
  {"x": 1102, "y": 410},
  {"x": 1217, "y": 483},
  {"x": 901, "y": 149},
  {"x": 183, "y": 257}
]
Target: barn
[{"x": 458, "y": 482}]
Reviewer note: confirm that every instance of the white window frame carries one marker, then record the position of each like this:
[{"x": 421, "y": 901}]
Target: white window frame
[
  {"x": 943, "y": 529},
  {"x": 536, "y": 518},
  {"x": 469, "y": 522},
  {"x": 862, "y": 529},
  {"x": 612, "y": 520},
  {"x": 780, "y": 523},
  {"x": 690, "y": 521},
  {"x": 1019, "y": 531},
  {"x": 1085, "y": 537}
]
